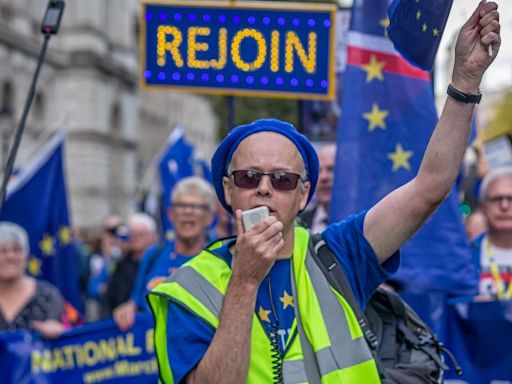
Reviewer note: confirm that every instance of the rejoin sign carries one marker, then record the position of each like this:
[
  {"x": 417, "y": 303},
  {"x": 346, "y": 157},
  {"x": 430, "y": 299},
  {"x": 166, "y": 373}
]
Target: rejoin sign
[{"x": 265, "y": 49}]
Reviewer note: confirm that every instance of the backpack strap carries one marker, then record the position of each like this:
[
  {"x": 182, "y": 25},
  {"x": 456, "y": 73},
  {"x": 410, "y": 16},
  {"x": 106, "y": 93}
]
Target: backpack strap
[
  {"x": 332, "y": 270},
  {"x": 336, "y": 277}
]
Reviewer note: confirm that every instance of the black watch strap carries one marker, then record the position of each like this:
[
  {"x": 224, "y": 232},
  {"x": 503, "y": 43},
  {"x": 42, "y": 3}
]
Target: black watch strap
[{"x": 463, "y": 97}]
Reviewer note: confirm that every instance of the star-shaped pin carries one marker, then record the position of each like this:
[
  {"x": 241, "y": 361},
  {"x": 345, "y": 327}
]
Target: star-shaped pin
[
  {"x": 34, "y": 266},
  {"x": 46, "y": 245},
  {"x": 374, "y": 69},
  {"x": 376, "y": 117},
  {"x": 287, "y": 300},
  {"x": 64, "y": 235},
  {"x": 400, "y": 158},
  {"x": 263, "y": 314}
]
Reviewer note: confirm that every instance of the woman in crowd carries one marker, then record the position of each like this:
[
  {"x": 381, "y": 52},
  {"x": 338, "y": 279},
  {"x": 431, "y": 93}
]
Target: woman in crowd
[{"x": 25, "y": 303}]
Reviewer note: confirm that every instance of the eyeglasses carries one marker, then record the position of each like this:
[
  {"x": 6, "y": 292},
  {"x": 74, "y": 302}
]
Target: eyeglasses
[
  {"x": 190, "y": 206},
  {"x": 499, "y": 199},
  {"x": 281, "y": 181}
]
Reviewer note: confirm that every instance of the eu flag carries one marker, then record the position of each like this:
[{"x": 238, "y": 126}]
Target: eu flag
[
  {"x": 388, "y": 116},
  {"x": 176, "y": 163},
  {"x": 415, "y": 28},
  {"x": 37, "y": 200}
]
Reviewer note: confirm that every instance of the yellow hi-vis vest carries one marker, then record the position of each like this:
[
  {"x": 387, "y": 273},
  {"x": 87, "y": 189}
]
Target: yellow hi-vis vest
[{"x": 330, "y": 347}]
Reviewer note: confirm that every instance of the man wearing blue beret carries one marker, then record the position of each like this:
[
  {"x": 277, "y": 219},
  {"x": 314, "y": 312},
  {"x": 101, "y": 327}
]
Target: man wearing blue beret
[{"x": 257, "y": 308}]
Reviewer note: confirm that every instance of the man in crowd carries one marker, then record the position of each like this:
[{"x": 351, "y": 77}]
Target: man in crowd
[
  {"x": 493, "y": 249},
  {"x": 193, "y": 203},
  {"x": 316, "y": 216},
  {"x": 142, "y": 233},
  {"x": 258, "y": 309}
]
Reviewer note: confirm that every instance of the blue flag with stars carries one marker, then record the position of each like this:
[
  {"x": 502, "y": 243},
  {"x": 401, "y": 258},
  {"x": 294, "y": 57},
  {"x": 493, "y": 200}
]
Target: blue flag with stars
[
  {"x": 37, "y": 200},
  {"x": 415, "y": 28},
  {"x": 388, "y": 116},
  {"x": 176, "y": 163}
]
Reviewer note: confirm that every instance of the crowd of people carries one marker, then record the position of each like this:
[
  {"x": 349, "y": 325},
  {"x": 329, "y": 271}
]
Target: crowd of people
[{"x": 211, "y": 304}]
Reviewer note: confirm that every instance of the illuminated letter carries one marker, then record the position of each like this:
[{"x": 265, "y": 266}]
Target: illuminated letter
[
  {"x": 274, "y": 51},
  {"x": 194, "y": 46},
  {"x": 162, "y": 45},
  {"x": 260, "y": 54},
  {"x": 223, "y": 50},
  {"x": 308, "y": 61}
]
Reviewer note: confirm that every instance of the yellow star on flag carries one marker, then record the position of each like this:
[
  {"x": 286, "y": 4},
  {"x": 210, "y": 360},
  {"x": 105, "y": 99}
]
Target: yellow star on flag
[
  {"x": 424, "y": 27},
  {"x": 263, "y": 314},
  {"x": 34, "y": 266},
  {"x": 384, "y": 23},
  {"x": 287, "y": 300},
  {"x": 376, "y": 117},
  {"x": 418, "y": 15},
  {"x": 64, "y": 235},
  {"x": 435, "y": 32},
  {"x": 400, "y": 158},
  {"x": 374, "y": 69},
  {"x": 46, "y": 245}
]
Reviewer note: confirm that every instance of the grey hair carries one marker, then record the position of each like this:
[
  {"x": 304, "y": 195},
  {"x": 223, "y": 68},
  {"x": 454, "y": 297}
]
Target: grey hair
[
  {"x": 195, "y": 185},
  {"x": 493, "y": 175},
  {"x": 143, "y": 219},
  {"x": 13, "y": 233}
]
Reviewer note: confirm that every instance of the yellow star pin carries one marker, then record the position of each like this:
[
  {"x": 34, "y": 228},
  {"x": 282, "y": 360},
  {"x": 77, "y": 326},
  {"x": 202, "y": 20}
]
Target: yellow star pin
[
  {"x": 400, "y": 158},
  {"x": 263, "y": 314},
  {"x": 287, "y": 300},
  {"x": 46, "y": 245},
  {"x": 34, "y": 266},
  {"x": 64, "y": 235},
  {"x": 384, "y": 23},
  {"x": 376, "y": 117},
  {"x": 374, "y": 69},
  {"x": 418, "y": 15},
  {"x": 435, "y": 32},
  {"x": 424, "y": 27}
]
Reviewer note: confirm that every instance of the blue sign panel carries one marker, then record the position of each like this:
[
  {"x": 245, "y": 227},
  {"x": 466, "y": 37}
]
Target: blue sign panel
[{"x": 264, "y": 49}]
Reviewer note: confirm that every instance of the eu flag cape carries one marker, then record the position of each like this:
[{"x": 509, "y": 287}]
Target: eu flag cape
[
  {"x": 388, "y": 116},
  {"x": 37, "y": 200}
]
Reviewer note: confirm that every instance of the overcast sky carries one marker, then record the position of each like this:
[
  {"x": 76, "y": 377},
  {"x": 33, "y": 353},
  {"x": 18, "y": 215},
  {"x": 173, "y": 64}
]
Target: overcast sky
[{"x": 499, "y": 75}]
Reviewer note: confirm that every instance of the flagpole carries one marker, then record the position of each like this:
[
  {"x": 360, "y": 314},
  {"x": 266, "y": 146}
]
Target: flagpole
[{"x": 49, "y": 27}]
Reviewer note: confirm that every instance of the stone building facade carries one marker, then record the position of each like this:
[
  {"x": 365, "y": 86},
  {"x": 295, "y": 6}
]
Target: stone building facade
[{"x": 89, "y": 86}]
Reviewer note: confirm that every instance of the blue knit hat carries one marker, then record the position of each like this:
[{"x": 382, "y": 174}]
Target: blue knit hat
[{"x": 227, "y": 147}]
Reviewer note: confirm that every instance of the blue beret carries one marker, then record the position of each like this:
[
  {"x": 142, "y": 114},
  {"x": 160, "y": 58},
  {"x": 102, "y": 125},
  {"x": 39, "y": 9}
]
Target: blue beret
[{"x": 227, "y": 147}]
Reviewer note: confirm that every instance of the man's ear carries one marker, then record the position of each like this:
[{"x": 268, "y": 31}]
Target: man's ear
[
  {"x": 227, "y": 186},
  {"x": 305, "y": 194}
]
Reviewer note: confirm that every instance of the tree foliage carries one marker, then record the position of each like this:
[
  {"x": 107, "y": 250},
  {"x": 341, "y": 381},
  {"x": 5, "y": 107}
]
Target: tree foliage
[{"x": 501, "y": 121}]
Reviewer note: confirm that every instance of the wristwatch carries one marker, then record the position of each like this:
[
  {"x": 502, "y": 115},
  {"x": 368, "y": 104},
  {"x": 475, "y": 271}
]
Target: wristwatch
[{"x": 463, "y": 97}]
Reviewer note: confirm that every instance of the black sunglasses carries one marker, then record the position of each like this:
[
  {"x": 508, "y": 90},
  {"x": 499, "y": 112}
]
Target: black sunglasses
[{"x": 280, "y": 180}]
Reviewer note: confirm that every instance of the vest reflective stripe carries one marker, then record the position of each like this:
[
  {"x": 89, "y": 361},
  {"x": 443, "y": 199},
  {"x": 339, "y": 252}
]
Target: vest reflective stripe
[
  {"x": 334, "y": 336},
  {"x": 293, "y": 372},
  {"x": 194, "y": 283},
  {"x": 339, "y": 352},
  {"x": 348, "y": 346}
]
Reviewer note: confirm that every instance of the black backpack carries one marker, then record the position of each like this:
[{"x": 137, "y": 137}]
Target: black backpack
[{"x": 404, "y": 347}]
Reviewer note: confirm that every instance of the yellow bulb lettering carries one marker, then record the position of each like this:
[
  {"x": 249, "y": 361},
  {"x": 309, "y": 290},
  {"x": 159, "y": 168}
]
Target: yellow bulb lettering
[
  {"x": 261, "y": 52},
  {"x": 293, "y": 44},
  {"x": 163, "y": 46}
]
